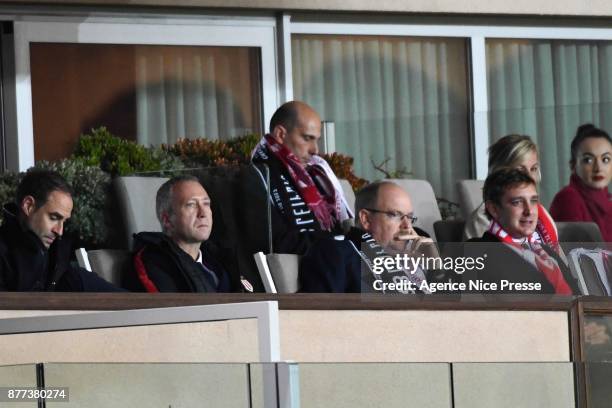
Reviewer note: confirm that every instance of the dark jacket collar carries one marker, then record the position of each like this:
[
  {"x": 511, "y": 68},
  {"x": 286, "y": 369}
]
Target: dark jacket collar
[{"x": 13, "y": 227}]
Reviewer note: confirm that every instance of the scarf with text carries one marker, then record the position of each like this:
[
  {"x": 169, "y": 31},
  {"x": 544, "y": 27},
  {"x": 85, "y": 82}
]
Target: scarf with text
[
  {"x": 316, "y": 183},
  {"x": 530, "y": 248},
  {"x": 369, "y": 249}
]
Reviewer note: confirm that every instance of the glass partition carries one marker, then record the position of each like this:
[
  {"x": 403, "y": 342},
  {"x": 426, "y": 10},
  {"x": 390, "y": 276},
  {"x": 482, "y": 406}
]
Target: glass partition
[
  {"x": 355, "y": 385},
  {"x": 17, "y": 377},
  {"x": 163, "y": 385},
  {"x": 503, "y": 385},
  {"x": 304, "y": 385}
]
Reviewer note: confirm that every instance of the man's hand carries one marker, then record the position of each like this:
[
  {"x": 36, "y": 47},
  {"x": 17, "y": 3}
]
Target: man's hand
[{"x": 416, "y": 245}]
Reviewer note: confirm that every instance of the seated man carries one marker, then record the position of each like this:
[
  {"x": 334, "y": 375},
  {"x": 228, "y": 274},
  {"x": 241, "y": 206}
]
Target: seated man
[
  {"x": 34, "y": 256},
  {"x": 304, "y": 189},
  {"x": 180, "y": 259},
  {"x": 522, "y": 263},
  {"x": 385, "y": 218}
]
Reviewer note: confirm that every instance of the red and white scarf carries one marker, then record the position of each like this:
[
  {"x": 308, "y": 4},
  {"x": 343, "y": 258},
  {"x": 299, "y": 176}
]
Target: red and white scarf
[
  {"x": 530, "y": 248},
  {"x": 327, "y": 202}
]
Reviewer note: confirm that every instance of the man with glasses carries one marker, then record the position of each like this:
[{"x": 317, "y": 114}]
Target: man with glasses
[{"x": 385, "y": 227}]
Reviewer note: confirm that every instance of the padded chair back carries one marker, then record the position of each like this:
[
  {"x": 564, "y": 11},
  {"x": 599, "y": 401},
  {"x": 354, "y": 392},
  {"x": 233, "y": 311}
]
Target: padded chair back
[
  {"x": 579, "y": 232},
  {"x": 278, "y": 272},
  {"x": 449, "y": 230},
  {"x": 136, "y": 196},
  {"x": 349, "y": 194},
  {"x": 284, "y": 270},
  {"x": 110, "y": 264},
  {"x": 423, "y": 201},
  {"x": 591, "y": 270},
  {"x": 470, "y": 196}
]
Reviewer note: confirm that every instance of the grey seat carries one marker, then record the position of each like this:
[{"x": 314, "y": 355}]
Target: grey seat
[
  {"x": 136, "y": 197},
  {"x": 110, "y": 264},
  {"x": 278, "y": 272},
  {"x": 470, "y": 196},
  {"x": 424, "y": 203},
  {"x": 349, "y": 194},
  {"x": 579, "y": 232},
  {"x": 449, "y": 230}
]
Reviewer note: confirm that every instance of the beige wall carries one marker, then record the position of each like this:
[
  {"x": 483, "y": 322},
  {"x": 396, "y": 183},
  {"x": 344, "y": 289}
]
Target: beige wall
[
  {"x": 313, "y": 336},
  {"x": 517, "y": 7}
]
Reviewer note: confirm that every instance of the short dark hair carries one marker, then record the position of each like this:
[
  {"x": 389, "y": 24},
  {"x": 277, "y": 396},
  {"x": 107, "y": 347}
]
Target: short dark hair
[
  {"x": 498, "y": 182},
  {"x": 583, "y": 132},
  {"x": 163, "y": 198},
  {"x": 286, "y": 115},
  {"x": 39, "y": 184}
]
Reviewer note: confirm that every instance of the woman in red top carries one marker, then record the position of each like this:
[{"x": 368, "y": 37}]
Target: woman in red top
[{"x": 587, "y": 198}]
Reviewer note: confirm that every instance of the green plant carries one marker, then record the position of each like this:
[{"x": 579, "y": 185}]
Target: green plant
[
  {"x": 91, "y": 187},
  {"x": 449, "y": 210},
  {"x": 382, "y": 167},
  {"x": 206, "y": 153},
  {"x": 121, "y": 157},
  {"x": 8, "y": 187},
  {"x": 342, "y": 166}
]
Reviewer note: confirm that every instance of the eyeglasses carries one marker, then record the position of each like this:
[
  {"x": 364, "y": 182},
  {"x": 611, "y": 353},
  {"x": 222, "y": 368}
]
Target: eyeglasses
[{"x": 395, "y": 215}]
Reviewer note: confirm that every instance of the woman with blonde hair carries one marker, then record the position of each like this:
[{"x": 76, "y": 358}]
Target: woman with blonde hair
[{"x": 514, "y": 152}]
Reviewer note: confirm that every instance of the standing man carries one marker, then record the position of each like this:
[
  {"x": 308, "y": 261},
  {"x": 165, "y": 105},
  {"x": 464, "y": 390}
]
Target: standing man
[
  {"x": 304, "y": 189},
  {"x": 34, "y": 256},
  {"x": 181, "y": 258}
]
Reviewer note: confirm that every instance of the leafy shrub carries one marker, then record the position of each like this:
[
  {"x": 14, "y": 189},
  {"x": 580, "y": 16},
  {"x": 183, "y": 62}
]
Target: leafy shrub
[
  {"x": 121, "y": 157},
  {"x": 91, "y": 189},
  {"x": 207, "y": 153},
  {"x": 8, "y": 187}
]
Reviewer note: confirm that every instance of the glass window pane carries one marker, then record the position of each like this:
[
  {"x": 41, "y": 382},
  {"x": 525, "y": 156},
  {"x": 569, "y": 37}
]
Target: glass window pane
[
  {"x": 152, "y": 94},
  {"x": 546, "y": 89},
  {"x": 151, "y": 385},
  {"x": 398, "y": 102}
]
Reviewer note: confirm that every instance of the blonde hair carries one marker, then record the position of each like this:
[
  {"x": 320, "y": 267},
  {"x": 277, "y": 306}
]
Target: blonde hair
[{"x": 508, "y": 152}]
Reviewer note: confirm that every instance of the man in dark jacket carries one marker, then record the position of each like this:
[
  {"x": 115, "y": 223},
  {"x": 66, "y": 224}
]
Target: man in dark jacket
[
  {"x": 519, "y": 258},
  {"x": 180, "y": 259},
  {"x": 33, "y": 254},
  {"x": 304, "y": 190},
  {"x": 386, "y": 226}
]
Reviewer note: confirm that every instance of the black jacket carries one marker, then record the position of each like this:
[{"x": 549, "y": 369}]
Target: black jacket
[
  {"x": 502, "y": 263},
  {"x": 341, "y": 266},
  {"x": 160, "y": 265},
  {"x": 27, "y": 265}
]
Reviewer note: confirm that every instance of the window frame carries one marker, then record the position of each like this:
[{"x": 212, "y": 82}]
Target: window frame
[
  {"x": 476, "y": 36},
  {"x": 197, "y": 31}
]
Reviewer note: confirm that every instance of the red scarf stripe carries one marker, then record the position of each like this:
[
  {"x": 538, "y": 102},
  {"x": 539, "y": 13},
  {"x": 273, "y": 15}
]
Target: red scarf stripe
[
  {"x": 323, "y": 208},
  {"x": 141, "y": 271},
  {"x": 543, "y": 262}
]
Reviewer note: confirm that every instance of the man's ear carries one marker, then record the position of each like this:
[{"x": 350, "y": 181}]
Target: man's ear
[
  {"x": 279, "y": 133},
  {"x": 28, "y": 205},
  {"x": 492, "y": 209},
  {"x": 165, "y": 221},
  {"x": 364, "y": 219}
]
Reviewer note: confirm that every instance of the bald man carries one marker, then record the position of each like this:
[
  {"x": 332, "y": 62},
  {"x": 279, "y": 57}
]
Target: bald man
[
  {"x": 385, "y": 226},
  {"x": 303, "y": 188}
]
